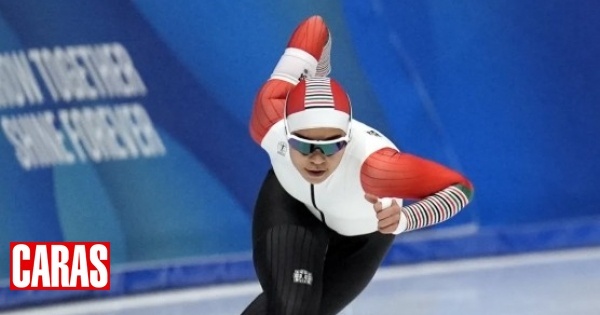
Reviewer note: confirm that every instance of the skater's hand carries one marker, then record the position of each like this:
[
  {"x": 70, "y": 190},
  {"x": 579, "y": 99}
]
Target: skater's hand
[{"x": 387, "y": 215}]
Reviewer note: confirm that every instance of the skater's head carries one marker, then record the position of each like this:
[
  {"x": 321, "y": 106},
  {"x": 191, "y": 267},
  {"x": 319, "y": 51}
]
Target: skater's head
[
  {"x": 318, "y": 103},
  {"x": 318, "y": 118}
]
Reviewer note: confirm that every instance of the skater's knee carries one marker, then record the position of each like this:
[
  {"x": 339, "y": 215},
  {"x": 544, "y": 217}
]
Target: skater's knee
[
  {"x": 289, "y": 265},
  {"x": 297, "y": 302}
]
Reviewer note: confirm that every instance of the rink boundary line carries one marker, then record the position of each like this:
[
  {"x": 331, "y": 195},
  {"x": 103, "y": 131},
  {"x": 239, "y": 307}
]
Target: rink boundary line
[
  {"x": 487, "y": 263},
  {"x": 233, "y": 290}
]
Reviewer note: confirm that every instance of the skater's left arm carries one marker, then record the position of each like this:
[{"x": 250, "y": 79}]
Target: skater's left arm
[{"x": 441, "y": 192}]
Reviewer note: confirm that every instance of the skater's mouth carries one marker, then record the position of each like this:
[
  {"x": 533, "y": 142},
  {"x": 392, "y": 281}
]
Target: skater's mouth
[{"x": 315, "y": 173}]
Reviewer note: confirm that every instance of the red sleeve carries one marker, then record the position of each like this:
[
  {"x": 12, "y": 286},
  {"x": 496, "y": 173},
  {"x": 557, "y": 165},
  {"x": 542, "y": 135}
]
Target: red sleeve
[
  {"x": 310, "y": 36},
  {"x": 268, "y": 107},
  {"x": 389, "y": 173}
]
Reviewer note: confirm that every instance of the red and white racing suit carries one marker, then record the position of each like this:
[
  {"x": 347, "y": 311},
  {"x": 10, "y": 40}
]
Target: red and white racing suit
[{"x": 316, "y": 247}]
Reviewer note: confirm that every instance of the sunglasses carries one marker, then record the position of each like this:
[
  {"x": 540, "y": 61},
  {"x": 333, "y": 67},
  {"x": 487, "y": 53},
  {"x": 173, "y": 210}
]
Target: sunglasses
[{"x": 327, "y": 147}]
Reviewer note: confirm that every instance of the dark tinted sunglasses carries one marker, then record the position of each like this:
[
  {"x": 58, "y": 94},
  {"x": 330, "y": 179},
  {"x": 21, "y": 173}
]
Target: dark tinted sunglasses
[{"x": 327, "y": 147}]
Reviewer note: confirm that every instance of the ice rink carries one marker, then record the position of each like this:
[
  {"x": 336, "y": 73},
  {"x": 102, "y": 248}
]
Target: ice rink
[{"x": 548, "y": 283}]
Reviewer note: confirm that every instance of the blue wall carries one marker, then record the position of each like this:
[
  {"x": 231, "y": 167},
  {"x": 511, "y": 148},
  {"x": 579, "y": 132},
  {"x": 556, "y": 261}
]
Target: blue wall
[
  {"x": 504, "y": 92},
  {"x": 507, "y": 89}
]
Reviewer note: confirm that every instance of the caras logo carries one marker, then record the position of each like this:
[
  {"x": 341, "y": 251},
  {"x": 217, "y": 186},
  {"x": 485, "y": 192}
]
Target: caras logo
[{"x": 60, "y": 266}]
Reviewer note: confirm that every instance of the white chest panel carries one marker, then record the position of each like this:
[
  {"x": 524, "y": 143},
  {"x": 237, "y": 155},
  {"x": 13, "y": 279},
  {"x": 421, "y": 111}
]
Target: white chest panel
[{"x": 338, "y": 201}]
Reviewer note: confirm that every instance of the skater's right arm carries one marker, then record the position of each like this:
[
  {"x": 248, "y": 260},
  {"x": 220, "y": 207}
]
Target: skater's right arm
[{"x": 306, "y": 55}]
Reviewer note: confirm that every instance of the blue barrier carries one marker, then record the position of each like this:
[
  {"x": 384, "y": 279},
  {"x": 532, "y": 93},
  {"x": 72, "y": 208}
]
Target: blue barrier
[{"x": 407, "y": 249}]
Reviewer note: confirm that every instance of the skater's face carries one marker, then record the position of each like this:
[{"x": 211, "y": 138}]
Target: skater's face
[{"x": 317, "y": 152}]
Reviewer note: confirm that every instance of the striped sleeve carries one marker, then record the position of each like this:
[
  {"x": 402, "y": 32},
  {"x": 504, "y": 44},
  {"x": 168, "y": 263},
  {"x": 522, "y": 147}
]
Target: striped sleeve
[
  {"x": 440, "y": 191},
  {"x": 436, "y": 208}
]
